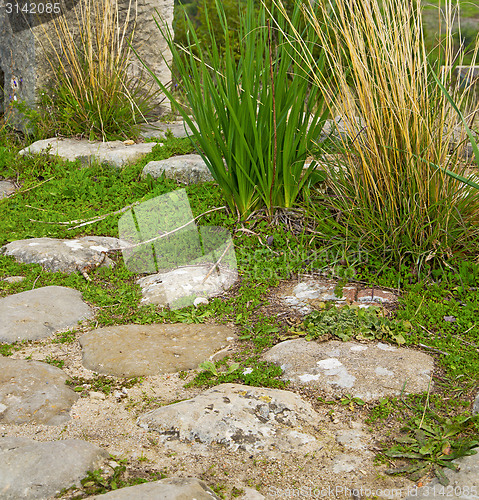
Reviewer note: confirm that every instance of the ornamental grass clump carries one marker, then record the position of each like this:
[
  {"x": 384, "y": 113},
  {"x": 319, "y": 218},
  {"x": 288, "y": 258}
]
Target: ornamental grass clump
[
  {"x": 387, "y": 196},
  {"x": 254, "y": 111},
  {"x": 93, "y": 93}
]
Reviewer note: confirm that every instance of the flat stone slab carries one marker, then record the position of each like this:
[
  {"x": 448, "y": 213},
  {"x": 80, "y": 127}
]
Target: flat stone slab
[
  {"x": 113, "y": 153},
  {"x": 463, "y": 484},
  {"x": 138, "y": 350},
  {"x": 308, "y": 294},
  {"x": 39, "y": 470},
  {"x": 188, "y": 169},
  {"x": 241, "y": 417},
  {"x": 39, "y": 313},
  {"x": 181, "y": 286},
  {"x": 33, "y": 392},
  {"x": 6, "y": 189},
  {"x": 159, "y": 129},
  {"x": 171, "y": 488},
  {"x": 368, "y": 371},
  {"x": 67, "y": 256}
]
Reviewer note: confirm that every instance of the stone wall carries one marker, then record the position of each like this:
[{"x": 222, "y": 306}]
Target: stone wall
[{"x": 24, "y": 44}]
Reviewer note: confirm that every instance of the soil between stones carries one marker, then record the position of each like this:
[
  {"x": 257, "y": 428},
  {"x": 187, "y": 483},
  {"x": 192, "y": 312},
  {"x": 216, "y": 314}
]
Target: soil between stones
[{"x": 110, "y": 423}]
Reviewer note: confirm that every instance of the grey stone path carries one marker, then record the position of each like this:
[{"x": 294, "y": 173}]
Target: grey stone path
[
  {"x": 114, "y": 153},
  {"x": 247, "y": 419},
  {"x": 368, "y": 371},
  {"x": 41, "y": 312},
  {"x": 67, "y": 255},
  {"x": 172, "y": 488},
  {"x": 138, "y": 350},
  {"x": 158, "y": 130},
  {"x": 241, "y": 417},
  {"x": 34, "y": 470},
  {"x": 187, "y": 169},
  {"x": 33, "y": 392},
  {"x": 169, "y": 288}
]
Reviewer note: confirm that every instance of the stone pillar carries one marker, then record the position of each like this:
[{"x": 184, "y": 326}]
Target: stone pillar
[{"x": 24, "y": 44}]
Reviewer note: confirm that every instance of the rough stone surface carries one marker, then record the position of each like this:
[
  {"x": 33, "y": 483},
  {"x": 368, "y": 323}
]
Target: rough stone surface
[
  {"x": 39, "y": 470},
  {"x": 13, "y": 279},
  {"x": 180, "y": 287},
  {"x": 241, "y": 417},
  {"x": 463, "y": 484},
  {"x": 66, "y": 255},
  {"x": 367, "y": 371},
  {"x": 113, "y": 153},
  {"x": 6, "y": 188},
  {"x": 33, "y": 392},
  {"x": 171, "y": 488},
  {"x": 188, "y": 169},
  {"x": 158, "y": 130},
  {"x": 137, "y": 350},
  {"x": 306, "y": 295},
  {"x": 39, "y": 313}
]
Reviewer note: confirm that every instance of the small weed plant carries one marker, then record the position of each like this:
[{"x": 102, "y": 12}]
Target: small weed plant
[{"x": 434, "y": 445}]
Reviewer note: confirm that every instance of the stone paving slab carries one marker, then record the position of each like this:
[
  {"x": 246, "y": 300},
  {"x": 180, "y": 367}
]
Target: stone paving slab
[
  {"x": 365, "y": 370},
  {"x": 138, "y": 350},
  {"x": 171, "y": 488},
  {"x": 65, "y": 255},
  {"x": 39, "y": 313},
  {"x": 33, "y": 392},
  {"x": 181, "y": 286},
  {"x": 187, "y": 169},
  {"x": 114, "y": 153},
  {"x": 40, "y": 470},
  {"x": 254, "y": 419},
  {"x": 158, "y": 130}
]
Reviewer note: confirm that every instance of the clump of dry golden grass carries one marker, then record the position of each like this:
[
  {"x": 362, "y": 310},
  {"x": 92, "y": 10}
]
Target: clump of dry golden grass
[
  {"x": 388, "y": 197},
  {"x": 90, "y": 54}
]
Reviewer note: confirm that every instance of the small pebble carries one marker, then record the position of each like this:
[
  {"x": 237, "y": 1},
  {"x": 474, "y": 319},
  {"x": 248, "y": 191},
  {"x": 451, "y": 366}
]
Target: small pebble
[
  {"x": 96, "y": 395},
  {"x": 200, "y": 300}
]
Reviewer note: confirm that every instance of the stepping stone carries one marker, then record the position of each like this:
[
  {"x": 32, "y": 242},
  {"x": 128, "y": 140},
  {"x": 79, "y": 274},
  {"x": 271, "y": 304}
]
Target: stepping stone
[
  {"x": 33, "y": 392},
  {"x": 463, "y": 484},
  {"x": 139, "y": 350},
  {"x": 113, "y": 153},
  {"x": 39, "y": 313},
  {"x": 188, "y": 169},
  {"x": 253, "y": 419},
  {"x": 307, "y": 295},
  {"x": 180, "y": 287},
  {"x": 31, "y": 469},
  {"x": 368, "y": 371},
  {"x": 13, "y": 279},
  {"x": 6, "y": 189},
  {"x": 67, "y": 256},
  {"x": 171, "y": 488},
  {"x": 158, "y": 130}
]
